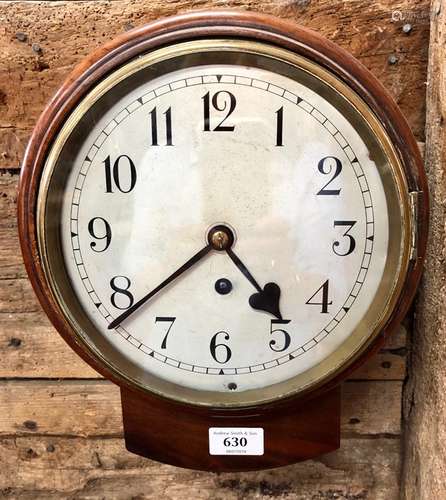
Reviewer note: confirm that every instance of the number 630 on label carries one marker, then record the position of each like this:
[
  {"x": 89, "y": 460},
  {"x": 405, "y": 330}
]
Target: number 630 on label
[{"x": 236, "y": 441}]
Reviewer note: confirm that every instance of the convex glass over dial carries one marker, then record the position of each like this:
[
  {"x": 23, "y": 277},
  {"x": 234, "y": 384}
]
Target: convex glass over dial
[{"x": 224, "y": 223}]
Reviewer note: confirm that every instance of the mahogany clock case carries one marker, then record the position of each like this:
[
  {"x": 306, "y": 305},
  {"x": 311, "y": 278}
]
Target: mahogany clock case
[{"x": 316, "y": 412}]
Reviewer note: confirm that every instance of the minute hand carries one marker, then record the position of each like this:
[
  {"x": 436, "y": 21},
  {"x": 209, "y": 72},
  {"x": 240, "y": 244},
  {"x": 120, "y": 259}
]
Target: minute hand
[{"x": 193, "y": 260}]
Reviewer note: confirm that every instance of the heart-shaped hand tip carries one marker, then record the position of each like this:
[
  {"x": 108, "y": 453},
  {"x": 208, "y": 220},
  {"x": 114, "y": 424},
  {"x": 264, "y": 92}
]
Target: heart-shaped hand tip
[{"x": 267, "y": 300}]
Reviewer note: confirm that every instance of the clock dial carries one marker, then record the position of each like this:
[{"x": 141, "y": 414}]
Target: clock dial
[{"x": 225, "y": 225}]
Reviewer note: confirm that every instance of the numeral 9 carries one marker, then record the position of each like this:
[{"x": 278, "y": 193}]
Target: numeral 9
[{"x": 107, "y": 233}]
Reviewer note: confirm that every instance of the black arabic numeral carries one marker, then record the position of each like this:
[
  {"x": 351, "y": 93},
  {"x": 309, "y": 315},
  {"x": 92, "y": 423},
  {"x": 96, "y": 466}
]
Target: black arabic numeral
[
  {"x": 124, "y": 291},
  {"x": 154, "y": 126},
  {"x": 165, "y": 319},
  {"x": 352, "y": 242},
  {"x": 92, "y": 225},
  {"x": 113, "y": 174},
  {"x": 324, "y": 292},
  {"x": 326, "y": 167},
  {"x": 279, "y": 127},
  {"x": 108, "y": 177},
  {"x": 219, "y": 103},
  {"x": 223, "y": 348},
  {"x": 286, "y": 335},
  {"x": 206, "y": 113},
  {"x": 168, "y": 115}
]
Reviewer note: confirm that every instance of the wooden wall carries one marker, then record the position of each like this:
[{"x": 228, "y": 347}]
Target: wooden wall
[
  {"x": 424, "y": 475},
  {"x": 60, "y": 424}
]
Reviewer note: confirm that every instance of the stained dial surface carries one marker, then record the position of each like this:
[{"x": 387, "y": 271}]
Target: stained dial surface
[{"x": 259, "y": 153}]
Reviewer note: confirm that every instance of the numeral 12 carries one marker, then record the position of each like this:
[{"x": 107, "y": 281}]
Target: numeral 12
[{"x": 219, "y": 103}]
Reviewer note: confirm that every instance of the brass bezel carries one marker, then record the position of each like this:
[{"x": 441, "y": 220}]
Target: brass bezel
[{"x": 399, "y": 215}]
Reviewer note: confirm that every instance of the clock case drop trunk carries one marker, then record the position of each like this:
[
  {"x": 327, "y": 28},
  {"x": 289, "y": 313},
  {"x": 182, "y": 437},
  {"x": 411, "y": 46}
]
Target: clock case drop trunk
[{"x": 165, "y": 432}]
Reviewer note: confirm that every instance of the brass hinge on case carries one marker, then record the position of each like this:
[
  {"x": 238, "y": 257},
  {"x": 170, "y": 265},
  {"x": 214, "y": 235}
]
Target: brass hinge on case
[{"x": 413, "y": 201}]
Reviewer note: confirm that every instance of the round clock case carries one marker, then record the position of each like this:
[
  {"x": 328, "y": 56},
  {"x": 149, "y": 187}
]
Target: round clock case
[{"x": 172, "y": 425}]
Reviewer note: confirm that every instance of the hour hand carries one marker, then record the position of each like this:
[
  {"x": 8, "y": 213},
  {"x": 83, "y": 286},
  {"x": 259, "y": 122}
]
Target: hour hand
[{"x": 266, "y": 299}]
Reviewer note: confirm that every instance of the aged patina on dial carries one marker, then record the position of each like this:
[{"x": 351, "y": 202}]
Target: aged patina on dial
[{"x": 224, "y": 223}]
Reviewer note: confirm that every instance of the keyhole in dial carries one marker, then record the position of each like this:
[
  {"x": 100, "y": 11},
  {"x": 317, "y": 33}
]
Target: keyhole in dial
[{"x": 223, "y": 286}]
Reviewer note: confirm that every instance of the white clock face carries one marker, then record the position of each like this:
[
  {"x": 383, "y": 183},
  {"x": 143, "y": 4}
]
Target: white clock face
[{"x": 259, "y": 153}]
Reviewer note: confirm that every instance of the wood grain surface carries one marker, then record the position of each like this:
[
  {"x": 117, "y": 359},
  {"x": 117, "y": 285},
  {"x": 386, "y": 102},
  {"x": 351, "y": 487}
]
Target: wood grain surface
[
  {"x": 60, "y": 430},
  {"x": 91, "y": 408},
  {"x": 51, "y": 467},
  {"x": 425, "y": 402}
]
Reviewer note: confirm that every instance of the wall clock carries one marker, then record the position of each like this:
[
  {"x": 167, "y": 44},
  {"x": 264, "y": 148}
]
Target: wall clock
[{"x": 225, "y": 214}]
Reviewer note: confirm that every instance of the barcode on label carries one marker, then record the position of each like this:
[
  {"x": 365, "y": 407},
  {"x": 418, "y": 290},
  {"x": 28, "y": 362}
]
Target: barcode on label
[{"x": 236, "y": 441}]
